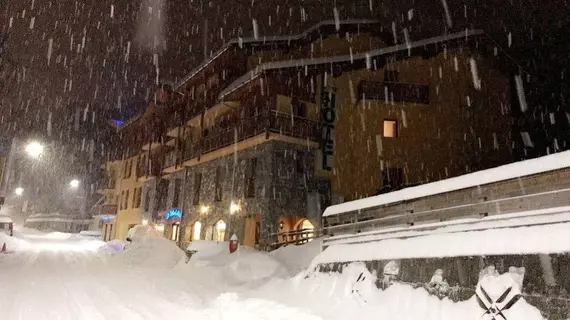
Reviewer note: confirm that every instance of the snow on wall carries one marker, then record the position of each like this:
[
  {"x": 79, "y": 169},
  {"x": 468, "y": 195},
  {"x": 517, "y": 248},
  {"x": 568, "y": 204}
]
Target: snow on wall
[
  {"x": 551, "y": 162},
  {"x": 553, "y": 238}
]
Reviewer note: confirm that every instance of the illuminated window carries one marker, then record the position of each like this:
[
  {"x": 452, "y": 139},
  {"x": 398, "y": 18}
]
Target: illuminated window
[
  {"x": 175, "y": 232},
  {"x": 219, "y": 231},
  {"x": 196, "y": 230},
  {"x": 390, "y": 129}
]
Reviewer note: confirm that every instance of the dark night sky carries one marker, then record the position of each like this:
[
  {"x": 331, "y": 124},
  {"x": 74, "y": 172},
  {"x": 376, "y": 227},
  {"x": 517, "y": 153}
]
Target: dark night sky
[{"x": 91, "y": 38}]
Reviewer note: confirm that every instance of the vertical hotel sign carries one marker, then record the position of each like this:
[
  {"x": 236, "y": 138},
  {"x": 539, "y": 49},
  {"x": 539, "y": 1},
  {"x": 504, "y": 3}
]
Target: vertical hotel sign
[{"x": 328, "y": 117}]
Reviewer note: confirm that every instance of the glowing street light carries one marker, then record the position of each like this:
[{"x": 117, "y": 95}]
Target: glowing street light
[
  {"x": 74, "y": 183},
  {"x": 19, "y": 191},
  {"x": 204, "y": 209},
  {"x": 34, "y": 149}
]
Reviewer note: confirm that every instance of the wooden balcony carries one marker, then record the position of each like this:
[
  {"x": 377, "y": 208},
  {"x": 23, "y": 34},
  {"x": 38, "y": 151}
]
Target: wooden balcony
[{"x": 269, "y": 122}]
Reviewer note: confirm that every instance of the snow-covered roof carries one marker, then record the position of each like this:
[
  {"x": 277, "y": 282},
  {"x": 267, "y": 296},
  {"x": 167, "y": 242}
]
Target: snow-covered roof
[
  {"x": 551, "y": 162},
  {"x": 251, "y": 75},
  {"x": 268, "y": 39},
  {"x": 5, "y": 219},
  {"x": 539, "y": 231}
]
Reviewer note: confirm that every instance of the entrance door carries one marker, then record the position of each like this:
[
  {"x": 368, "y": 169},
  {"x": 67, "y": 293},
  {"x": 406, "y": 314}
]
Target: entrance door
[{"x": 252, "y": 228}]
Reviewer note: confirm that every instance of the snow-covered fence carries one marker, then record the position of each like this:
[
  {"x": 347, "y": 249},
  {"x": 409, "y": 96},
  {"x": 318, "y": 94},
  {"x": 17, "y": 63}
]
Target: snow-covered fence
[
  {"x": 507, "y": 218},
  {"x": 528, "y": 185}
]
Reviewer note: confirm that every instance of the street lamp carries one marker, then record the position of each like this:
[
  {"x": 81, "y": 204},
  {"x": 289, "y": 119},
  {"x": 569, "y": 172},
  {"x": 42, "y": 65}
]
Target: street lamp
[
  {"x": 74, "y": 183},
  {"x": 34, "y": 149},
  {"x": 19, "y": 191}
]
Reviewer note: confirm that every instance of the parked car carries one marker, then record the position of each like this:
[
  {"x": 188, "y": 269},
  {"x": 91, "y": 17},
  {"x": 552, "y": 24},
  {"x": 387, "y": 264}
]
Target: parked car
[{"x": 7, "y": 225}]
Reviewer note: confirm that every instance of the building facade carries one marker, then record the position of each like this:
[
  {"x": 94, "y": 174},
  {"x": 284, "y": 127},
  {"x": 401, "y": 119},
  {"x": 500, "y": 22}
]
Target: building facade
[{"x": 259, "y": 139}]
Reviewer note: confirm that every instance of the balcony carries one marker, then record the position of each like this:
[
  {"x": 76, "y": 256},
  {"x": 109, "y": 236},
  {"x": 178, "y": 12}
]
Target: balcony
[
  {"x": 271, "y": 122},
  {"x": 169, "y": 159},
  {"x": 149, "y": 170}
]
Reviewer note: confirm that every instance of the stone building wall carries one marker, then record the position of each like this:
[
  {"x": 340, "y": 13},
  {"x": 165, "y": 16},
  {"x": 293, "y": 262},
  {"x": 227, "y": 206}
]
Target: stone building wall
[{"x": 279, "y": 190}]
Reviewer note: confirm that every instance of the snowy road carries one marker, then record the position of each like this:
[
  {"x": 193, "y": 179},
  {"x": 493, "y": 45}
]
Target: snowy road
[
  {"x": 63, "y": 279},
  {"x": 58, "y": 276}
]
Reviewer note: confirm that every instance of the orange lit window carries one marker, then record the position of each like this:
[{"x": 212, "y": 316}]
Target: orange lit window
[{"x": 390, "y": 129}]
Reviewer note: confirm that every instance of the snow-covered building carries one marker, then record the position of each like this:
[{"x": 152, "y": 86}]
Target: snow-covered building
[{"x": 269, "y": 131}]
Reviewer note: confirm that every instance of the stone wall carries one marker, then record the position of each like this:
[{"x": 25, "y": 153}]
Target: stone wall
[{"x": 280, "y": 189}]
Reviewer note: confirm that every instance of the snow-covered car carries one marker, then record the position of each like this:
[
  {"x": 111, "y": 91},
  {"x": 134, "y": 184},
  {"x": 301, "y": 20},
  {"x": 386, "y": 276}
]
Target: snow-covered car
[{"x": 6, "y": 225}]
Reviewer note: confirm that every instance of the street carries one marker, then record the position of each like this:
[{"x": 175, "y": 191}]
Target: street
[{"x": 61, "y": 276}]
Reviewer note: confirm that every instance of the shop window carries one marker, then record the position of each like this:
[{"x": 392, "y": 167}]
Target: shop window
[
  {"x": 197, "y": 187},
  {"x": 390, "y": 129},
  {"x": 196, "y": 230},
  {"x": 219, "y": 231}
]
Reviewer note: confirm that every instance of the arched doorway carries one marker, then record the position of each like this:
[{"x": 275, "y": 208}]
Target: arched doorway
[
  {"x": 196, "y": 230},
  {"x": 219, "y": 233},
  {"x": 305, "y": 228}
]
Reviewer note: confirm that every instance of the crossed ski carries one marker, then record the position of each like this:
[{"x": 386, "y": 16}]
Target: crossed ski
[{"x": 492, "y": 308}]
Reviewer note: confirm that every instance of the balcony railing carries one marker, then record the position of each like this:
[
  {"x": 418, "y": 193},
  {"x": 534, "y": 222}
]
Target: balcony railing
[
  {"x": 170, "y": 159},
  {"x": 271, "y": 121}
]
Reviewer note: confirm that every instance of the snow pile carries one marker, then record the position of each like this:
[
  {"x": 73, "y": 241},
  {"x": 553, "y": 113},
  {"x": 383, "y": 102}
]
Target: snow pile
[
  {"x": 353, "y": 294},
  {"x": 297, "y": 258},
  {"x": 13, "y": 243},
  {"x": 149, "y": 252},
  {"x": 57, "y": 235},
  {"x": 112, "y": 247},
  {"x": 91, "y": 234},
  {"x": 141, "y": 231},
  {"x": 214, "y": 269}
]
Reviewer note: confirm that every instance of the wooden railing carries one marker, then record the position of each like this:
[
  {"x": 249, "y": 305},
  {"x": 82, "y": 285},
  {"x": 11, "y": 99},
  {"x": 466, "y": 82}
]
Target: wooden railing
[
  {"x": 295, "y": 237},
  {"x": 269, "y": 121}
]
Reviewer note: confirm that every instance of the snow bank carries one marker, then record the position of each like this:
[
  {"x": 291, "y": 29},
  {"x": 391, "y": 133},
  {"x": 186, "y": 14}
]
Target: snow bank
[
  {"x": 13, "y": 243},
  {"x": 91, "y": 234},
  {"x": 149, "y": 252},
  {"x": 510, "y": 171},
  {"x": 352, "y": 294},
  {"x": 112, "y": 247},
  {"x": 141, "y": 231},
  {"x": 297, "y": 258},
  {"x": 57, "y": 235},
  {"x": 215, "y": 270}
]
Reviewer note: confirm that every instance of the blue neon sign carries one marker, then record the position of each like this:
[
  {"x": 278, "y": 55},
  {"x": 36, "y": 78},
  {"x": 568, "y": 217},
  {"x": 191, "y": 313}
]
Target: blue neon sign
[{"x": 173, "y": 213}]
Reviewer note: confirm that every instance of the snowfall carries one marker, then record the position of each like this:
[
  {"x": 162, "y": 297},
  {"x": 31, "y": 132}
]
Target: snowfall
[{"x": 71, "y": 276}]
